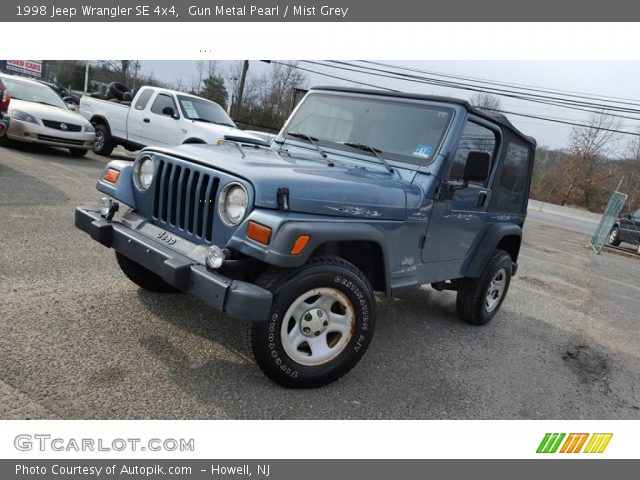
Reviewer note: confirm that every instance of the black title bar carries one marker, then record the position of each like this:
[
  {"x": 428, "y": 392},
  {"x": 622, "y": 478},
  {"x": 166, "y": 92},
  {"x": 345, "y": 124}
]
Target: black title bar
[{"x": 319, "y": 11}]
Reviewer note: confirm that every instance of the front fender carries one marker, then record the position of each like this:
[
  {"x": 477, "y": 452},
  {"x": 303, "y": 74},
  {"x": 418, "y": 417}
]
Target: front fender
[
  {"x": 288, "y": 227},
  {"x": 123, "y": 189}
]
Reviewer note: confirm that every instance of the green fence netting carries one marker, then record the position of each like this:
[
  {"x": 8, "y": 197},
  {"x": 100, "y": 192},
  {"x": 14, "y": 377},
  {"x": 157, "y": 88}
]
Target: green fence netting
[{"x": 616, "y": 202}]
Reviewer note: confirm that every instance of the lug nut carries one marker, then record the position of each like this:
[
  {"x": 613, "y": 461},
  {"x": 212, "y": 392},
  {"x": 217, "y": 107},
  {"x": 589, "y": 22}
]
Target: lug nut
[
  {"x": 317, "y": 333},
  {"x": 319, "y": 313},
  {"x": 325, "y": 323},
  {"x": 307, "y": 317},
  {"x": 306, "y": 329}
]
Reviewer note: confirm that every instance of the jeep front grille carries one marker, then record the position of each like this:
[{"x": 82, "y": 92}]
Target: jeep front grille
[{"x": 185, "y": 198}]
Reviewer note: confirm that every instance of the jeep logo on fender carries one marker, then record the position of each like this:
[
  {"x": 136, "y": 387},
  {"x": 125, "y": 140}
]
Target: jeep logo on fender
[{"x": 165, "y": 237}]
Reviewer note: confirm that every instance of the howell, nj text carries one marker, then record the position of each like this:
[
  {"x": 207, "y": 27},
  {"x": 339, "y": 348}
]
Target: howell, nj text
[{"x": 240, "y": 470}]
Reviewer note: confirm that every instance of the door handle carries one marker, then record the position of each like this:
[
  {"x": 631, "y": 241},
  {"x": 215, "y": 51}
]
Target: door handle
[
  {"x": 482, "y": 198},
  {"x": 146, "y": 120}
]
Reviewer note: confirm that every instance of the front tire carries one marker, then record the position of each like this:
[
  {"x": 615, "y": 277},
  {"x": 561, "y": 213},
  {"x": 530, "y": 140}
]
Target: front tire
[
  {"x": 103, "y": 144},
  {"x": 321, "y": 322},
  {"x": 614, "y": 236},
  {"x": 143, "y": 277},
  {"x": 479, "y": 299}
]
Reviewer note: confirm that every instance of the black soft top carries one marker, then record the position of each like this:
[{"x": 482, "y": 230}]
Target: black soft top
[{"x": 498, "y": 118}]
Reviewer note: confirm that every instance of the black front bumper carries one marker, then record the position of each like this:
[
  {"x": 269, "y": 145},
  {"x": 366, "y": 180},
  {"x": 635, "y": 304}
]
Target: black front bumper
[{"x": 240, "y": 300}]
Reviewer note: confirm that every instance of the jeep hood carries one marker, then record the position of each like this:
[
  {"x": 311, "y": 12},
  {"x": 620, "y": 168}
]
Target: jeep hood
[{"x": 314, "y": 187}]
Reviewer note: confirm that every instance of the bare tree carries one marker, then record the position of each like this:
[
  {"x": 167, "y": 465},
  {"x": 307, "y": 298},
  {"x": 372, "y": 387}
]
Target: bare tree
[
  {"x": 486, "y": 101},
  {"x": 631, "y": 171},
  {"x": 121, "y": 68},
  {"x": 204, "y": 69},
  {"x": 634, "y": 147},
  {"x": 589, "y": 147},
  {"x": 178, "y": 84}
]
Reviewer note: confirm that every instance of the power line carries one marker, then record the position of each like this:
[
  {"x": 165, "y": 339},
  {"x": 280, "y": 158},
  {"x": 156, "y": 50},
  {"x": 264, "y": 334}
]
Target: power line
[
  {"x": 547, "y": 119},
  {"x": 544, "y": 99},
  {"x": 329, "y": 75},
  {"x": 637, "y": 134},
  {"x": 507, "y": 84}
]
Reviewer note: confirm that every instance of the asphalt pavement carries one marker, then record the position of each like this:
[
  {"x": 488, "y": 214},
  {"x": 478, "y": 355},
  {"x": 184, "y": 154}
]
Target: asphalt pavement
[{"x": 78, "y": 340}]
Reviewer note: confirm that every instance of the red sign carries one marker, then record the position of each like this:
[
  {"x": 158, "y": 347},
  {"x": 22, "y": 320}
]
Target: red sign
[{"x": 30, "y": 67}]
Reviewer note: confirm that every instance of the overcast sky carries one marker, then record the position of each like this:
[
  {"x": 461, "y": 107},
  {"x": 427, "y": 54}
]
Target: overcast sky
[{"x": 617, "y": 79}]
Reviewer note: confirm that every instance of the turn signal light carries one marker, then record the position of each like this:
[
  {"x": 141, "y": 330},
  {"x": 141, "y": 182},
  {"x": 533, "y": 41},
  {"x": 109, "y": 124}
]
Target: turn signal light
[
  {"x": 111, "y": 175},
  {"x": 299, "y": 245},
  {"x": 259, "y": 233}
]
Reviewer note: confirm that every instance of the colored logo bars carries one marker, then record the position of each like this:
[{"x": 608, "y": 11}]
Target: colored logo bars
[{"x": 592, "y": 443}]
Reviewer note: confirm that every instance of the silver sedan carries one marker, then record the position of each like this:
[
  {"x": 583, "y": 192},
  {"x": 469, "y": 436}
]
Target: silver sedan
[{"x": 38, "y": 115}]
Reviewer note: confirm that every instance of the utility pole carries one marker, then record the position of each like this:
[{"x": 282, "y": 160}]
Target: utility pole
[
  {"x": 243, "y": 78},
  {"x": 86, "y": 77}
]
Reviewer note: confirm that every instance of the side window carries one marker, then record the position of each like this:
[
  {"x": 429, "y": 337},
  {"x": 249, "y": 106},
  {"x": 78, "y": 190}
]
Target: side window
[
  {"x": 511, "y": 183},
  {"x": 143, "y": 99},
  {"x": 636, "y": 215},
  {"x": 475, "y": 138},
  {"x": 161, "y": 101}
]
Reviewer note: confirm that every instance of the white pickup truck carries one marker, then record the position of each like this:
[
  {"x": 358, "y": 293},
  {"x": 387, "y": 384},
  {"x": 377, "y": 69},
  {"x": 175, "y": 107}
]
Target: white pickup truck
[{"x": 157, "y": 116}]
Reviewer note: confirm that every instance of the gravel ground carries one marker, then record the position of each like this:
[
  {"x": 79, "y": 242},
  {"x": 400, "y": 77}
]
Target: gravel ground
[{"x": 79, "y": 341}]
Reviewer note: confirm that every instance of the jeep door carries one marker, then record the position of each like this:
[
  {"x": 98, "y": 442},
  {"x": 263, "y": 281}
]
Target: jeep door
[{"x": 455, "y": 222}]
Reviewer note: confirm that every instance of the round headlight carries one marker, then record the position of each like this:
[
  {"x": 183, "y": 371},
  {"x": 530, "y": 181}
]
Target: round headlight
[
  {"x": 232, "y": 204},
  {"x": 143, "y": 172}
]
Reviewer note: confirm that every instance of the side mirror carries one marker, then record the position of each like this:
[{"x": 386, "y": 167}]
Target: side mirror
[
  {"x": 169, "y": 111},
  {"x": 477, "y": 167},
  {"x": 628, "y": 216}
]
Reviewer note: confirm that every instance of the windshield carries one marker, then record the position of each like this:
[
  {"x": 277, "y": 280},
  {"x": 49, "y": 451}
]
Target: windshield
[
  {"x": 398, "y": 130},
  {"x": 30, "y": 92},
  {"x": 195, "y": 108}
]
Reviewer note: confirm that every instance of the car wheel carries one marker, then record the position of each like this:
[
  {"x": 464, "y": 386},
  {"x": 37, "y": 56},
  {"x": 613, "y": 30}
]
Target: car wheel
[
  {"x": 479, "y": 299},
  {"x": 143, "y": 277},
  {"x": 614, "y": 237},
  {"x": 78, "y": 152},
  {"x": 103, "y": 145},
  {"x": 321, "y": 322}
]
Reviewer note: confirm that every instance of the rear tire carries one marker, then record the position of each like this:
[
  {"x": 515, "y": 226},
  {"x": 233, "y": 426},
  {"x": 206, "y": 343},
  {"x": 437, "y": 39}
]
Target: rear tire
[
  {"x": 614, "y": 237},
  {"x": 321, "y": 322},
  {"x": 78, "y": 152},
  {"x": 479, "y": 299},
  {"x": 143, "y": 277},
  {"x": 103, "y": 144}
]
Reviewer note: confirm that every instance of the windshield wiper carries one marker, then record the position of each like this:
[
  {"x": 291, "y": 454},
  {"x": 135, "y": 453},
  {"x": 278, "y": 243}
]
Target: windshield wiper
[
  {"x": 375, "y": 151},
  {"x": 311, "y": 140}
]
